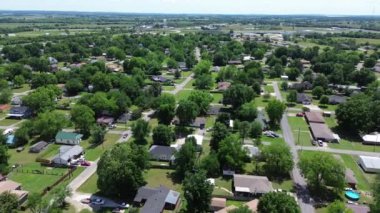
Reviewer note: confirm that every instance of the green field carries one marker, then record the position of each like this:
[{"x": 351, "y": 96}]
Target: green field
[
  {"x": 90, "y": 185},
  {"x": 158, "y": 177},
  {"x": 300, "y": 129},
  {"x": 94, "y": 152},
  {"x": 24, "y": 88},
  {"x": 9, "y": 122}
]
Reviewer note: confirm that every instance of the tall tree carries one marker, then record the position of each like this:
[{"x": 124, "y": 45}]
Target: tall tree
[
  {"x": 198, "y": 192},
  {"x": 185, "y": 159},
  {"x": 338, "y": 207},
  {"x": 4, "y": 157},
  {"x": 98, "y": 134},
  {"x": 248, "y": 112},
  {"x": 163, "y": 135},
  {"x": 219, "y": 133},
  {"x": 231, "y": 153},
  {"x": 238, "y": 95},
  {"x": 140, "y": 130},
  {"x": 165, "y": 106},
  {"x": 275, "y": 109},
  {"x": 201, "y": 99},
  {"x": 187, "y": 111},
  {"x": 49, "y": 123},
  {"x": 278, "y": 202},
  {"x": 8, "y": 202},
  {"x": 375, "y": 206},
  {"x": 83, "y": 118},
  {"x": 279, "y": 160},
  {"x": 35, "y": 203}
]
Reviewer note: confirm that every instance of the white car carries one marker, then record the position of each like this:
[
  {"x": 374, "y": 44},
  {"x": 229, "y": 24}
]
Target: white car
[{"x": 124, "y": 205}]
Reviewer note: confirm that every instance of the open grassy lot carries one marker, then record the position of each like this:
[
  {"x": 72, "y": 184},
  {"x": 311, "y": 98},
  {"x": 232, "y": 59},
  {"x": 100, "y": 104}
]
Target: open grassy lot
[
  {"x": 92, "y": 152},
  {"x": 23, "y": 88},
  {"x": 22, "y": 157},
  {"x": 51, "y": 151},
  {"x": 157, "y": 177},
  {"x": 90, "y": 185},
  {"x": 284, "y": 185},
  {"x": 9, "y": 121},
  {"x": 168, "y": 88},
  {"x": 183, "y": 95},
  {"x": 218, "y": 97},
  {"x": 190, "y": 84},
  {"x": 36, "y": 182},
  {"x": 268, "y": 88},
  {"x": 210, "y": 121},
  {"x": 300, "y": 129},
  {"x": 261, "y": 102}
]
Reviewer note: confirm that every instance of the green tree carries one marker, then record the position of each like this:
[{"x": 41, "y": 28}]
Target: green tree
[
  {"x": 187, "y": 111},
  {"x": 248, "y": 112},
  {"x": 201, "y": 99},
  {"x": 185, "y": 159},
  {"x": 101, "y": 82},
  {"x": 41, "y": 100},
  {"x": 278, "y": 202},
  {"x": 219, "y": 133},
  {"x": 275, "y": 109},
  {"x": 375, "y": 206},
  {"x": 231, "y": 153},
  {"x": 322, "y": 170},
  {"x": 121, "y": 168},
  {"x": 18, "y": 81},
  {"x": 318, "y": 91},
  {"x": 324, "y": 99},
  {"x": 23, "y": 133},
  {"x": 338, "y": 207},
  {"x": 165, "y": 106},
  {"x": 256, "y": 129},
  {"x": 278, "y": 158},
  {"x": 83, "y": 118},
  {"x": 74, "y": 86},
  {"x": 243, "y": 129},
  {"x": 238, "y": 95},
  {"x": 163, "y": 135},
  {"x": 4, "y": 157},
  {"x": 35, "y": 203},
  {"x": 59, "y": 195},
  {"x": 8, "y": 202},
  {"x": 140, "y": 130},
  {"x": 5, "y": 96},
  {"x": 48, "y": 124},
  {"x": 284, "y": 86},
  {"x": 203, "y": 82},
  {"x": 198, "y": 192},
  {"x": 292, "y": 96},
  {"x": 98, "y": 134},
  {"x": 211, "y": 165}
]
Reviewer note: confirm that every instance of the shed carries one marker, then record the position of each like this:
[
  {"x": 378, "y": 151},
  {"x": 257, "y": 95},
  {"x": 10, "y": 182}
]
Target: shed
[
  {"x": 321, "y": 131},
  {"x": 218, "y": 203},
  {"x": 369, "y": 164},
  {"x": 371, "y": 139},
  {"x": 350, "y": 178},
  {"x": 38, "y": 147}
]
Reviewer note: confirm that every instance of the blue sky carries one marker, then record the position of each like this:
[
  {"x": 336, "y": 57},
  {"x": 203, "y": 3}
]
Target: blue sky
[{"x": 324, "y": 7}]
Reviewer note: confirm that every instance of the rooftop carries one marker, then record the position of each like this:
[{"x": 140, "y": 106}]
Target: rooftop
[
  {"x": 252, "y": 184},
  {"x": 370, "y": 162}
]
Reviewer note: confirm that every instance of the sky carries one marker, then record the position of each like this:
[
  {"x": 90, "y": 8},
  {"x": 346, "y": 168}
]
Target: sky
[{"x": 278, "y": 7}]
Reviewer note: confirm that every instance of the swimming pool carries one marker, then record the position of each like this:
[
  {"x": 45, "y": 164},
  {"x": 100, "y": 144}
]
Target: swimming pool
[{"x": 352, "y": 195}]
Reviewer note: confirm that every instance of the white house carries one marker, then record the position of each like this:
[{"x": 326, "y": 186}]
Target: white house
[
  {"x": 69, "y": 138},
  {"x": 369, "y": 164}
]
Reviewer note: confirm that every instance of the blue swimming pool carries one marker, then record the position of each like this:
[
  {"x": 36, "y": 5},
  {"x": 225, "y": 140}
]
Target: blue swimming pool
[{"x": 352, "y": 195}]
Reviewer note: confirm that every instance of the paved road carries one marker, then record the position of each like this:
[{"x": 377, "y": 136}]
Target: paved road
[
  {"x": 303, "y": 195},
  {"x": 182, "y": 85},
  {"x": 338, "y": 151}
]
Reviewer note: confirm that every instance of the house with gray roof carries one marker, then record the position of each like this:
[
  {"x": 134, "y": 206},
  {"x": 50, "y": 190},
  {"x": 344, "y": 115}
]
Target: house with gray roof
[
  {"x": 162, "y": 153},
  {"x": 69, "y": 138},
  {"x": 304, "y": 99},
  {"x": 38, "y": 147},
  {"x": 66, "y": 154},
  {"x": 337, "y": 99},
  {"x": 251, "y": 186},
  {"x": 156, "y": 200},
  {"x": 20, "y": 112}
]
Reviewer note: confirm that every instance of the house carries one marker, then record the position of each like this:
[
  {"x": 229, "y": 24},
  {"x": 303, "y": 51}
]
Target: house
[
  {"x": 215, "y": 69},
  {"x": 156, "y": 200},
  {"x": 69, "y": 138},
  {"x": 16, "y": 100},
  {"x": 234, "y": 62},
  {"x": 105, "y": 120},
  {"x": 321, "y": 131},
  {"x": 223, "y": 86},
  {"x": 38, "y": 147},
  {"x": 67, "y": 154},
  {"x": 337, "y": 99},
  {"x": 371, "y": 139},
  {"x": 181, "y": 141},
  {"x": 350, "y": 178},
  {"x": 53, "y": 68},
  {"x": 199, "y": 122},
  {"x": 251, "y": 186},
  {"x": 218, "y": 204},
  {"x": 369, "y": 164},
  {"x": 284, "y": 77},
  {"x": 14, "y": 188},
  {"x": 302, "y": 86},
  {"x": 251, "y": 150},
  {"x": 183, "y": 66},
  {"x": 20, "y": 112},
  {"x": 160, "y": 79},
  {"x": 314, "y": 117},
  {"x": 124, "y": 118},
  {"x": 304, "y": 99},
  {"x": 162, "y": 153}
]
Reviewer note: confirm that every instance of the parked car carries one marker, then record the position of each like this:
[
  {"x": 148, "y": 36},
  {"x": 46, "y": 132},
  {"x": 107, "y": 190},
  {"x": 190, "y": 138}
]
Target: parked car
[
  {"x": 300, "y": 114},
  {"x": 86, "y": 201},
  {"x": 320, "y": 143},
  {"x": 97, "y": 201},
  {"x": 85, "y": 163},
  {"x": 125, "y": 135},
  {"x": 124, "y": 205}
]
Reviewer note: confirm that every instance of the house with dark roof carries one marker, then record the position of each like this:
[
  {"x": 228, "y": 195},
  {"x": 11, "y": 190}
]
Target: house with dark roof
[
  {"x": 69, "y": 138},
  {"x": 199, "y": 122},
  {"x": 302, "y": 86},
  {"x": 105, "y": 120},
  {"x": 160, "y": 79},
  {"x": 38, "y": 147},
  {"x": 320, "y": 131},
  {"x": 223, "y": 86},
  {"x": 314, "y": 117},
  {"x": 156, "y": 200},
  {"x": 234, "y": 62},
  {"x": 15, "y": 189},
  {"x": 251, "y": 186},
  {"x": 337, "y": 99},
  {"x": 304, "y": 99},
  {"x": 20, "y": 112},
  {"x": 162, "y": 153}
]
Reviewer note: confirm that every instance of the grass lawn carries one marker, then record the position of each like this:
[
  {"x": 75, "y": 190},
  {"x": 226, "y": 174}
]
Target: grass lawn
[
  {"x": 36, "y": 182},
  {"x": 183, "y": 95},
  {"x": 22, "y": 157},
  {"x": 300, "y": 130},
  {"x": 94, "y": 152},
  {"x": 261, "y": 102},
  {"x": 205, "y": 148},
  {"x": 153, "y": 123},
  {"x": 23, "y": 88},
  {"x": 50, "y": 151},
  {"x": 268, "y": 88},
  {"x": 284, "y": 185},
  {"x": 235, "y": 203},
  {"x": 225, "y": 183},
  {"x": 157, "y": 177},
  {"x": 210, "y": 121},
  {"x": 363, "y": 183},
  {"x": 9, "y": 122},
  {"x": 168, "y": 88},
  {"x": 90, "y": 185},
  {"x": 190, "y": 84},
  {"x": 217, "y": 97}
]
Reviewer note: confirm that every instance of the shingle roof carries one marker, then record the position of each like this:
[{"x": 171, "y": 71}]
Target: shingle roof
[
  {"x": 8, "y": 185},
  {"x": 67, "y": 152},
  {"x": 321, "y": 131},
  {"x": 252, "y": 184},
  {"x": 314, "y": 117},
  {"x": 156, "y": 198},
  {"x": 38, "y": 146},
  {"x": 158, "y": 151}
]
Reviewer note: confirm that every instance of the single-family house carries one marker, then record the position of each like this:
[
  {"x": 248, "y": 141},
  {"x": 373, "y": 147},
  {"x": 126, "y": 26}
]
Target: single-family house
[
  {"x": 215, "y": 69},
  {"x": 304, "y": 99},
  {"x": 306, "y": 85},
  {"x": 223, "y": 86},
  {"x": 369, "y": 164},
  {"x": 156, "y": 200},
  {"x": 20, "y": 112},
  {"x": 314, "y": 117},
  {"x": 214, "y": 110},
  {"x": 162, "y": 153},
  {"x": 251, "y": 186},
  {"x": 320, "y": 131},
  {"x": 199, "y": 122},
  {"x": 52, "y": 60},
  {"x": 234, "y": 62},
  {"x": 160, "y": 79},
  {"x": 69, "y": 138},
  {"x": 337, "y": 99},
  {"x": 371, "y": 139},
  {"x": 38, "y": 147},
  {"x": 358, "y": 208},
  {"x": 218, "y": 204},
  {"x": 105, "y": 120},
  {"x": 67, "y": 154},
  {"x": 14, "y": 188},
  {"x": 183, "y": 66}
]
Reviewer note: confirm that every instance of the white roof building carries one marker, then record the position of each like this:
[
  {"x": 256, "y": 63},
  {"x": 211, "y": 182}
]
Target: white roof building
[
  {"x": 369, "y": 164},
  {"x": 371, "y": 138},
  {"x": 181, "y": 141}
]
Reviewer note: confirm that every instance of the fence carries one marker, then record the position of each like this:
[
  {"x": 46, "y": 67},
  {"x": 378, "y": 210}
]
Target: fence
[
  {"x": 36, "y": 171},
  {"x": 61, "y": 179}
]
